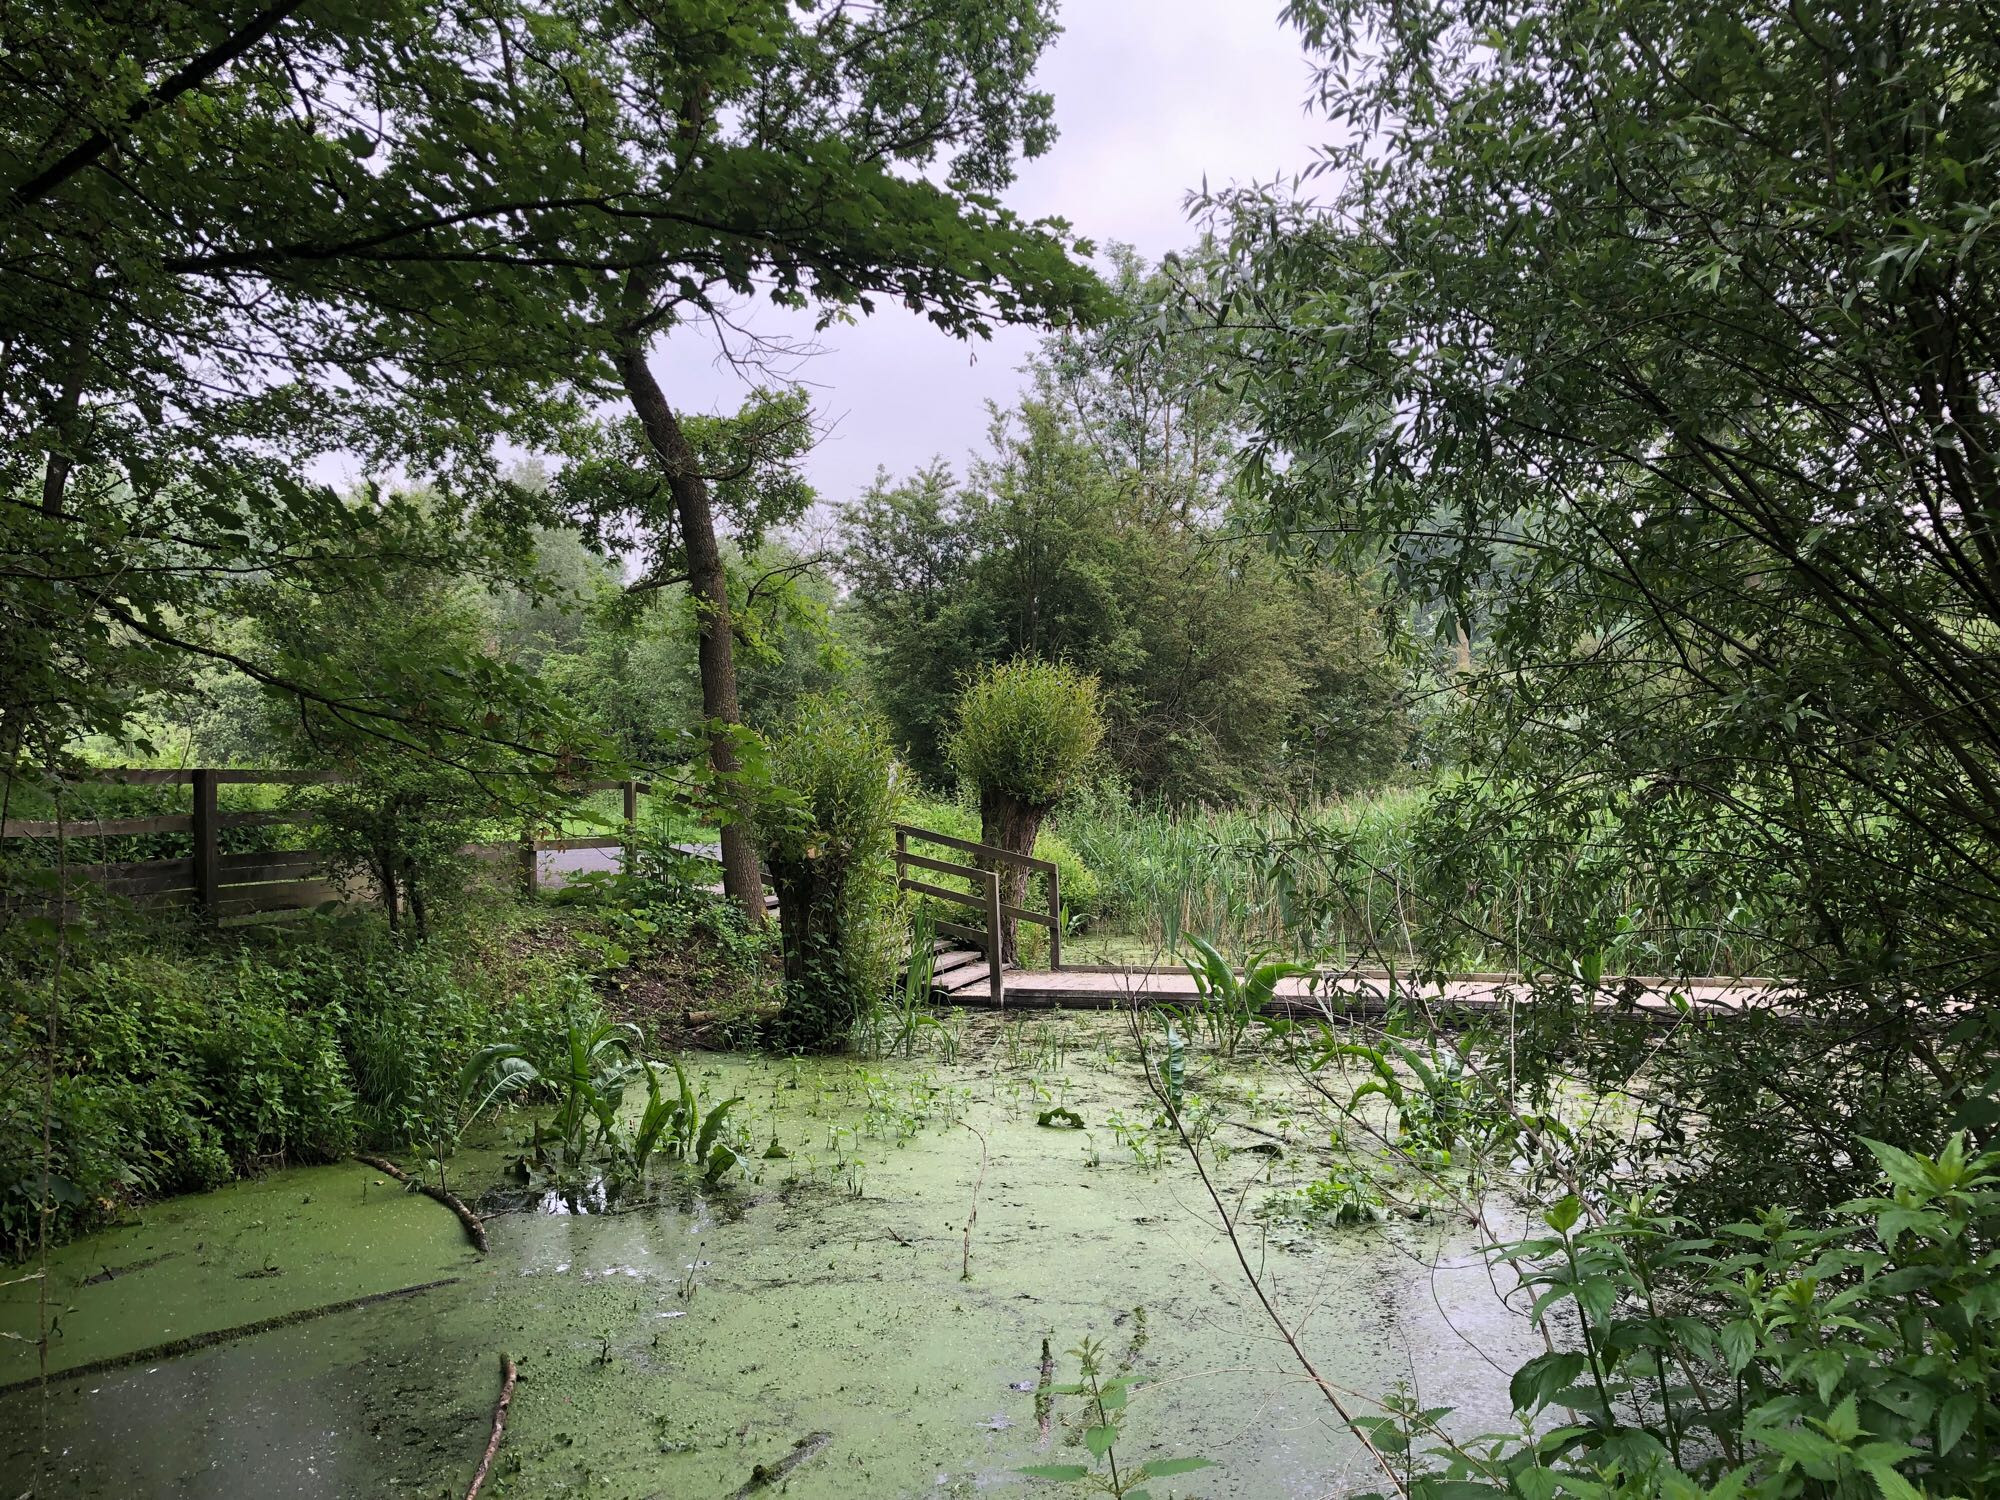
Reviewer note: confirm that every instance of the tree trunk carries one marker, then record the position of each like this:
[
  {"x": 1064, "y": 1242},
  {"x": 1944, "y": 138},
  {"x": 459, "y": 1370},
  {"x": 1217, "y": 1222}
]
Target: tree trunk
[
  {"x": 1007, "y": 823},
  {"x": 709, "y": 586}
]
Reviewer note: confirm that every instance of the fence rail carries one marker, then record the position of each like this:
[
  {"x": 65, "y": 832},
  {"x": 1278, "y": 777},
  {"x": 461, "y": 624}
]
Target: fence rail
[
  {"x": 217, "y": 885},
  {"x": 983, "y": 898}
]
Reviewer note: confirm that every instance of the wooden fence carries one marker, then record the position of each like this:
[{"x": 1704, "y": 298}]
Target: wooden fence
[
  {"x": 218, "y": 885},
  {"x": 983, "y": 896}
]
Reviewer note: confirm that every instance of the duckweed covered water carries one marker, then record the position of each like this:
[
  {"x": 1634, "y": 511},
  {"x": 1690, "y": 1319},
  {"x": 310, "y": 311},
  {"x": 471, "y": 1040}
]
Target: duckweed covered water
[{"x": 670, "y": 1343}]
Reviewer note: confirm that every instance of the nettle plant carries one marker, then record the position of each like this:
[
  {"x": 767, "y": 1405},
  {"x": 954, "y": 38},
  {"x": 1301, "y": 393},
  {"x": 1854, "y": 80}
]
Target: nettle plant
[{"x": 1765, "y": 1361}]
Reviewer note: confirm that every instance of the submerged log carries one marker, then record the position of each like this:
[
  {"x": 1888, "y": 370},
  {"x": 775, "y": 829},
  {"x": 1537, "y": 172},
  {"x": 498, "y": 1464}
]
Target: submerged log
[
  {"x": 475, "y": 1228},
  {"x": 763, "y": 1476},
  {"x": 176, "y": 1347}
]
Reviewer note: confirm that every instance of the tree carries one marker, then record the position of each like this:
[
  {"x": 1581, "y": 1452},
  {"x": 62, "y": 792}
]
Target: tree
[
  {"x": 1025, "y": 731},
  {"x": 1657, "y": 343},
  {"x": 827, "y": 853},
  {"x": 403, "y": 232},
  {"x": 1101, "y": 530}
]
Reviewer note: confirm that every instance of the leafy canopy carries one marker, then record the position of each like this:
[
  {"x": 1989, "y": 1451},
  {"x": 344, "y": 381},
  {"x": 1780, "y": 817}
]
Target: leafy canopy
[{"x": 1026, "y": 728}]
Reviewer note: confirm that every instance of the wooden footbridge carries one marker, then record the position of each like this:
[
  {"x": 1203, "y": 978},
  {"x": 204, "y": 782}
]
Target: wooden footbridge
[{"x": 967, "y": 968}]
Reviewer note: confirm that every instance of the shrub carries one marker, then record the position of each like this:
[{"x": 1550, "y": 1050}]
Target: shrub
[
  {"x": 178, "y": 1066},
  {"x": 402, "y": 826},
  {"x": 1026, "y": 730},
  {"x": 826, "y": 856},
  {"x": 1772, "y": 1358}
]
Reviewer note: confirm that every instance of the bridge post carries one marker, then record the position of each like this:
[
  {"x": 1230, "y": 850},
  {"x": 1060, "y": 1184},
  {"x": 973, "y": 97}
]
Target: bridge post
[
  {"x": 1055, "y": 919},
  {"x": 630, "y": 860},
  {"x": 996, "y": 981},
  {"x": 207, "y": 847}
]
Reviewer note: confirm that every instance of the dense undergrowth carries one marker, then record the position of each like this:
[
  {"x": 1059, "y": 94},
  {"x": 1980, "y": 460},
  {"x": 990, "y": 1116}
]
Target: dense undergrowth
[{"x": 183, "y": 1059}]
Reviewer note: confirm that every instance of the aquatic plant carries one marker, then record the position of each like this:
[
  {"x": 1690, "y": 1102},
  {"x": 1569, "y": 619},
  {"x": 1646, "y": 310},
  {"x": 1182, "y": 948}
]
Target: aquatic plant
[
  {"x": 681, "y": 1129},
  {"x": 885, "y": 1029},
  {"x": 1228, "y": 1005},
  {"x": 1439, "y": 1103},
  {"x": 1105, "y": 1405},
  {"x": 584, "y": 1068}
]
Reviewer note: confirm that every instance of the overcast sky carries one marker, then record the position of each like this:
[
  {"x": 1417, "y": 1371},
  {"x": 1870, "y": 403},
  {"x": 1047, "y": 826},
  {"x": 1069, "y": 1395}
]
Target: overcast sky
[{"x": 1150, "y": 96}]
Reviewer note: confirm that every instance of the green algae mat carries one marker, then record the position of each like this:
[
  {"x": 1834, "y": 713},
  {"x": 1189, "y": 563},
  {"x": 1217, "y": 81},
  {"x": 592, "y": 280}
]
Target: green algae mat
[{"x": 879, "y": 1309}]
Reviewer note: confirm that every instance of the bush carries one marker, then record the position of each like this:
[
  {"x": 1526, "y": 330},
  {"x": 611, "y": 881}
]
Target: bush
[
  {"x": 1772, "y": 1359},
  {"x": 1026, "y": 729},
  {"x": 826, "y": 856},
  {"x": 178, "y": 1067},
  {"x": 401, "y": 825}
]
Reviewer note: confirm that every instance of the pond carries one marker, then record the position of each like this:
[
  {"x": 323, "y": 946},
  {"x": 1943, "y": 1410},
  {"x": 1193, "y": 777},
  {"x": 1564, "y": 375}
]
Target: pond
[{"x": 674, "y": 1341}]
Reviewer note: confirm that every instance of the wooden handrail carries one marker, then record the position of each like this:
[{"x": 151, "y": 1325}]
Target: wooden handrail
[
  {"x": 969, "y": 846},
  {"x": 986, "y": 898}
]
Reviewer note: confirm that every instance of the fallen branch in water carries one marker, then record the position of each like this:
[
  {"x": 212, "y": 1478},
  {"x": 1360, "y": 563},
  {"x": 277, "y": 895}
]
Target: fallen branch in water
[
  {"x": 224, "y": 1335},
  {"x": 965, "y": 1265},
  {"x": 475, "y": 1230},
  {"x": 509, "y": 1373},
  {"x": 765, "y": 1475},
  {"x": 1045, "y": 1397}
]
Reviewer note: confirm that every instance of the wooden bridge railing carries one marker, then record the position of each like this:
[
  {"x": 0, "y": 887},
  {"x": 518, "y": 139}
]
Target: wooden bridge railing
[
  {"x": 217, "y": 884},
  {"x": 984, "y": 897}
]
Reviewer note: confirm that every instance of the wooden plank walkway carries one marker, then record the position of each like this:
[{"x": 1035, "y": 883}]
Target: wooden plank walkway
[{"x": 960, "y": 979}]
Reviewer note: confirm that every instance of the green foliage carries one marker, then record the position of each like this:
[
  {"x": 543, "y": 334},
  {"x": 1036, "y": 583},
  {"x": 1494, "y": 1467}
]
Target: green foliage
[
  {"x": 1105, "y": 1403},
  {"x": 1770, "y": 1358},
  {"x": 1102, "y": 532},
  {"x": 1682, "y": 441},
  {"x": 420, "y": 279},
  {"x": 681, "y": 1128},
  {"x": 827, "y": 854},
  {"x": 1026, "y": 729},
  {"x": 178, "y": 1067},
  {"x": 888, "y": 1027},
  {"x": 1227, "y": 1002},
  {"x": 402, "y": 825},
  {"x": 583, "y": 1066},
  {"x": 1443, "y": 1113}
]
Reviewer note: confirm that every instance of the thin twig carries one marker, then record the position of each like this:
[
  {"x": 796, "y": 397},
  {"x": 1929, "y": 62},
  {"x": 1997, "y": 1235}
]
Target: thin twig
[
  {"x": 965, "y": 1266},
  {"x": 1242, "y": 1259}
]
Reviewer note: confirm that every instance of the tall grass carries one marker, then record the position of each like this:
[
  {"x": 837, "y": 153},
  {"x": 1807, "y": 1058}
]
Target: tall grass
[
  {"x": 1232, "y": 876},
  {"x": 1362, "y": 883}
]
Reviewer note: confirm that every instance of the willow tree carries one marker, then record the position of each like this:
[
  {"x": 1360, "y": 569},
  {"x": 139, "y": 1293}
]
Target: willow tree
[
  {"x": 1659, "y": 339},
  {"x": 1025, "y": 730}
]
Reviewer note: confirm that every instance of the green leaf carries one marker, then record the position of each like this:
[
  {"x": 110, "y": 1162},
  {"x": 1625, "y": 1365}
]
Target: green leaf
[
  {"x": 1535, "y": 1384},
  {"x": 1954, "y": 1416},
  {"x": 1166, "y": 1468},
  {"x": 1892, "y": 1484},
  {"x": 1100, "y": 1440},
  {"x": 1562, "y": 1216}
]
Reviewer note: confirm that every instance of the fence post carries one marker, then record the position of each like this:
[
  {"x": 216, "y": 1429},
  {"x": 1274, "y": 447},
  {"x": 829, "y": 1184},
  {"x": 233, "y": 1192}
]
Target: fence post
[
  {"x": 207, "y": 847},
  {"x": 1055, "y": 919},
  {"x": 631, "y": 827},
  {"x": 996, "y": 983},
  {"x": 530, "y": 872}
]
